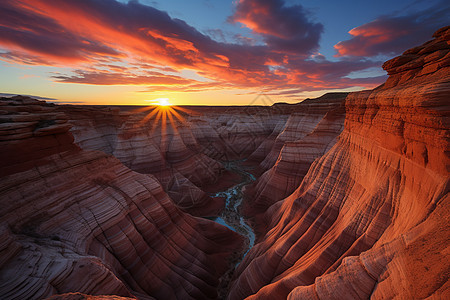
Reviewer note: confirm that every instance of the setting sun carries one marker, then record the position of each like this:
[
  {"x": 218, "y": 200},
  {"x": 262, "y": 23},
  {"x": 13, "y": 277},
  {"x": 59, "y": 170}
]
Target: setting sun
[
  {"x": 160, "y": 102},
  {"x": 163, "y": 102}
]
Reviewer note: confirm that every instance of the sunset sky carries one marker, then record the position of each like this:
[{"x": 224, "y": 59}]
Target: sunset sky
[{"x": 207, "y": 52}]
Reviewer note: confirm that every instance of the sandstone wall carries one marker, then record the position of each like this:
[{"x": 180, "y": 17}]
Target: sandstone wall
[
  {"x": 310, "y": 131},
  {"x": 182, "y": 148},
  {"x": 74, "y": 220},
  {"x": 371, "y": 217}
]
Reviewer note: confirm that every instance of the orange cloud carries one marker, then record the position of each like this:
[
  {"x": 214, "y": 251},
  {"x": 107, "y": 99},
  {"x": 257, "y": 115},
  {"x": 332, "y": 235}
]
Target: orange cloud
[
  {"x": 112, "y": 43},
  {"x": 114, "y": 78},
  {"x": 390, "y": 35},
  {"x": 285, "y": 28}
]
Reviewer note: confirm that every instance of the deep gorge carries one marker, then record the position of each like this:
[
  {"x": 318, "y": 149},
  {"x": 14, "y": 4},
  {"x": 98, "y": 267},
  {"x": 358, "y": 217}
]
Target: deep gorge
[{"x": 347, "y": 195}]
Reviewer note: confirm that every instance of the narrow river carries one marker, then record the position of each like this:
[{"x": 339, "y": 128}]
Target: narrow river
[
  {"x": 230, "y": 215},
  {"x": 231, "y": 218}
]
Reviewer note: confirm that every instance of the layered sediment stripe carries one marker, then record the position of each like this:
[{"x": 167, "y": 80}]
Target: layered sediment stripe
[
  {"x": 82, "y": 221},
  {"x": 373, "y": 206}
]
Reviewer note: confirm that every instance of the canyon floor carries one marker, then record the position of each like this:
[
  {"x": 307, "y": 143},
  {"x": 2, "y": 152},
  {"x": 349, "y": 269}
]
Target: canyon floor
[{"x": 345, "y": 196}]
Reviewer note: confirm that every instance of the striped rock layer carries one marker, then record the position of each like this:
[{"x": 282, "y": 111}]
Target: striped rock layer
[
  {"x": 183, "y": 150},
  {"x": 80, "y": 221},
  {"x": 370, "y": 219},
  {"x": 310, "y": 131}
]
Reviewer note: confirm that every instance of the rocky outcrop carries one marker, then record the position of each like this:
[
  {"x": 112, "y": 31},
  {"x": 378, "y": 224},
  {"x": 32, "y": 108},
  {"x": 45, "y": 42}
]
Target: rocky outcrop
[
  {"x": 29, "y": 132},
  {"x": 303, "y": 119},
  {"x": 310, "y": 131},
  {"x": 370, "y": 219},
  {"x": 183, "y": 148},
  {"x": 80, "y": 221},
  {"x": 144, "y": 148}
]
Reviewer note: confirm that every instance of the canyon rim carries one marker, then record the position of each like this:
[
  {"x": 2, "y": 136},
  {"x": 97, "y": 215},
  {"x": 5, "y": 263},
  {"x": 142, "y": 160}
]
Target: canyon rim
[{"x": 344, "y": 196}]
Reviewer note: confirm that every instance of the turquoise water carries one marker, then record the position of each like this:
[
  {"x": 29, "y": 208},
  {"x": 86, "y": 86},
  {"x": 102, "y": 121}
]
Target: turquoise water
[{"x": 230, "y": 216}]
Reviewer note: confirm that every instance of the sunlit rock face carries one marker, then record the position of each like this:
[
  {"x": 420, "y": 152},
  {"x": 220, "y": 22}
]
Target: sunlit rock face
[
  {"x": 370, "y": 217},
  {"x": 311, "y": 130},
  {"x": 74, "y": 220}
]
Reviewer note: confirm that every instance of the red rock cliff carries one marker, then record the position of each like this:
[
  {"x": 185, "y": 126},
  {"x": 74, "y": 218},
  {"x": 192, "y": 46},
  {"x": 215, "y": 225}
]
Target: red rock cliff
[
  {"x": 310, "y": 131},
  {"x": 80, "y": 221},
  {"x": 370, "y": 219}
]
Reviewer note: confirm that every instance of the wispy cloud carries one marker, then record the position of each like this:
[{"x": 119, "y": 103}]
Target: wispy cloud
[
  {"x": 284, "y": 28},
  {"x": 391, "y": 34},
  {"x": 113, "y": 43},
  {"x": 116, "y": 78}
]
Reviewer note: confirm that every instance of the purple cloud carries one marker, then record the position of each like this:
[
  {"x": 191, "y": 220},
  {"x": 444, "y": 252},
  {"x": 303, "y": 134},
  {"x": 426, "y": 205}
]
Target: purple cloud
[
  {"x": 131, "y": 39},
  {"x": 391, "y": 35},
  {"x": 285, "y": 28}
]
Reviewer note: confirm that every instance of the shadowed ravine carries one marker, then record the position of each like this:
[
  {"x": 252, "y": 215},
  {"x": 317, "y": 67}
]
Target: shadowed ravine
[{"x": 231, "y": 217}]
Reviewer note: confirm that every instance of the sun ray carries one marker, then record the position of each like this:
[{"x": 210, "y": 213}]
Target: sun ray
[
  {"x": 173, "y": 122},
  {"x": 165, "y": 116},
  {"x": 142, "y": 109},
  {"x": 176, "y": 114},
  {"x": 164, "y": 147},
  {"x": 158, "y": 116},
  {"x": 149, "y": 115},
  {"x": 187, "y": 111}
]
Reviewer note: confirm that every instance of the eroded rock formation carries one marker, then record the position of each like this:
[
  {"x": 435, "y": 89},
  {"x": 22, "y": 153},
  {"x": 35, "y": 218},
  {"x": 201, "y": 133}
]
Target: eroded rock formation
[
  {"x": 352, "y": 202},
  {"x": 370, "y": 219},
  {"x": 80, "y": 221},
  {"x": 310, "y": 131},
  {"x": 183, "y": 150}
]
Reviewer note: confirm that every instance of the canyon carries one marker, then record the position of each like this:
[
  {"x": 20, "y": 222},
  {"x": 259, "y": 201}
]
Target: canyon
[{"x": 344, "y": 196}]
